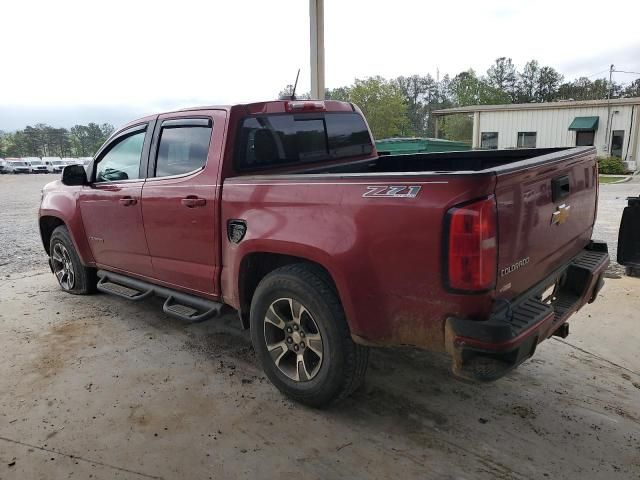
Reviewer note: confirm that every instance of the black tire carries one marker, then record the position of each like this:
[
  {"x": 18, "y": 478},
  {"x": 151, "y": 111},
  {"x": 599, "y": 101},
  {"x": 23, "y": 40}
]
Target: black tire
[
  {"x": 343, "y": 364},
  {"x": 85, "y": 278}
]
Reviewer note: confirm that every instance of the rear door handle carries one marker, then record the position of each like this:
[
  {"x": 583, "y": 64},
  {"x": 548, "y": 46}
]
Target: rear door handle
[
  {"x": 127, "y": 201},
  {"x": 192, "y": 201}
]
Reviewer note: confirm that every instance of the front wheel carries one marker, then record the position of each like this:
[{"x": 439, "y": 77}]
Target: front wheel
[
  {"x": 301, "y": 337},
  {"x": 72, "y": 276}
]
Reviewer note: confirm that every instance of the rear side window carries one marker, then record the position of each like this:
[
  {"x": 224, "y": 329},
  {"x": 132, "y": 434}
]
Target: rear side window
[
  {"x": 182, "y": 149},
  {"x": 273, "y": 140}
]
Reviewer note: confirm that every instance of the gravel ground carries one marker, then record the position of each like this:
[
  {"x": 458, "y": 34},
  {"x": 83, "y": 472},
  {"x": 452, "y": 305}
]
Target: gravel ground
[
  {"x": 19, "y": 202},
  {"x": 97, "y": 387}
]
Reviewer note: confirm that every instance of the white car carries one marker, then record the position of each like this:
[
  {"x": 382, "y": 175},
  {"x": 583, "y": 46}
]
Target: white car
[
  {"x": 70, "y": 161},
  {"x": 15, "y": 165},
  {"x": 54, "y": 164},
  {"x": 36, "y": 165},
  {"x": 85, "y": 160},
  {"x": 3, "y": 166}
]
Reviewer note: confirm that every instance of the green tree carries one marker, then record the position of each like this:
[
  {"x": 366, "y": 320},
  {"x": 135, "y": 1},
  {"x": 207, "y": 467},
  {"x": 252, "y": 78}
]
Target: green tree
[
  {"x": 502, "y": 76},
  {"x": 467, "y": 89},
  {"x": 633, "y": 89},
  {"x": 528, "y": 82},
  {"x": 549, "y": 81},
  {"x": 418, "y": 93},
  {"x": 340, "y": 94},
  {"x": 458, "y": 127},
  {"x": 382, "y": 103},
  {"x": 43, "y": 140}
]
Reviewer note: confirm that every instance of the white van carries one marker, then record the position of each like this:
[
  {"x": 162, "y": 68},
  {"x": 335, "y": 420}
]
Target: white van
[
  {"x": 36, "y": 165},
  {"x": 54, "y": 164},
  {"x": 16, "y": 165}
]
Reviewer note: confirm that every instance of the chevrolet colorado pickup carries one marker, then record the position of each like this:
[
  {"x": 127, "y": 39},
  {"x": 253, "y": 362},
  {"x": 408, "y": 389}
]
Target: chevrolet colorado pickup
[{"x": 284, "y": 212}]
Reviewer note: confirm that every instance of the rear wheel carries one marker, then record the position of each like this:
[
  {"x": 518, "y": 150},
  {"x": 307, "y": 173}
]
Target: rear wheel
[
  {"x": 72, "y": 276},
  {"x": 301, "y": 337}
]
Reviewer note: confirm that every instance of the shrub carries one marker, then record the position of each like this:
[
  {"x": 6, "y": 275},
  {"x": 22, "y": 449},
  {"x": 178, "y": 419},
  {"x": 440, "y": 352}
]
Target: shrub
[{"x": 611, "y": 166}]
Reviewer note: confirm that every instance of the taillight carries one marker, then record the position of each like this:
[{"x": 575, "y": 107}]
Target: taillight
[
  {"x": 472, "y": 246},
  {"x": 305, "y": 106}
]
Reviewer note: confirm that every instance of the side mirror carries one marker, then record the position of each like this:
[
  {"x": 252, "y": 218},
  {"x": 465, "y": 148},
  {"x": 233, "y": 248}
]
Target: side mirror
[{"x": 74, "y": 175}]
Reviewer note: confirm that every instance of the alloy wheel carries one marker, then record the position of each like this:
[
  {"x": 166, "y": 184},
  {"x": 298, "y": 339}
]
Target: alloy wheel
[
  {"x": 293, "y": 339},
  {"x": 63, "y": 266}
]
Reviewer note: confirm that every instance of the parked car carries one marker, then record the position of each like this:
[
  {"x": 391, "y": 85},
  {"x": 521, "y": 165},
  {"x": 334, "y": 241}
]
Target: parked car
[
  {"x": 85, "y": 160},
  {"x": 16, "y": 165},
  {"x": 2, "y": 166},
  {"x": 36, "y": 165},
  {"x": 284, "y": 212},
  {"x": 55, "y": 164}
]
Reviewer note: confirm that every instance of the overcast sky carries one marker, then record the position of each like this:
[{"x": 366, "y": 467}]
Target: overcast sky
[{"x": 65, "y": 62}]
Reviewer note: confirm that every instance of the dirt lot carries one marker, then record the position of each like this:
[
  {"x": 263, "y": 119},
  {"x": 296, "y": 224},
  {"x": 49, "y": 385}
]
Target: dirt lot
[{"x": 96, "y": 387}]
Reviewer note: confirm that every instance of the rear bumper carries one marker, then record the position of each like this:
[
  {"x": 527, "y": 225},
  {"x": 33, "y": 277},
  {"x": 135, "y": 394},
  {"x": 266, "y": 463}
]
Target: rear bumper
[{"x": 486, "y": 350}]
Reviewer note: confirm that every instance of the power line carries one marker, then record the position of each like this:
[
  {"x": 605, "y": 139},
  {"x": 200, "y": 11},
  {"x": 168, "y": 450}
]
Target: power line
[
  {"x": 597, "y": 73},
  {"x": 622, "y": 71}
]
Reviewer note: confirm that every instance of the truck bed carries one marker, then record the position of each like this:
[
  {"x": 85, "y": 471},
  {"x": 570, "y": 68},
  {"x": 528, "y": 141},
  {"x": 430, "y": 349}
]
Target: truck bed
[
  {"x": 466, "y": 161},
  {"x": 383, "y": 221}
]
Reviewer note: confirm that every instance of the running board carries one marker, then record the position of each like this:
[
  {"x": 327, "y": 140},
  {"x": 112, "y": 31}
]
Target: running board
[{"x": 177, "y": 304}]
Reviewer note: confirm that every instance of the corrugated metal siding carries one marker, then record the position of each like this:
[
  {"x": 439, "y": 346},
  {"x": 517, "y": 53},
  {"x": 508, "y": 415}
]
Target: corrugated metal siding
[{"x": 552, "y": 125}]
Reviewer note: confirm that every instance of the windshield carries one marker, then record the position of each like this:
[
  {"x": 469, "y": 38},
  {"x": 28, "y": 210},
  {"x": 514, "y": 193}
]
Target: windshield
[
  {"x": 57, "y": 162},
  {"x": 36, "y": 162},
  {"x": 19, "y": 164},
  {"x": 272, "y": 140}
]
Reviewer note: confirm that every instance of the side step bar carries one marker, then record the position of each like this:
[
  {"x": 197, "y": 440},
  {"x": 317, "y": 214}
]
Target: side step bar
[{"x": 177, "y": 304}]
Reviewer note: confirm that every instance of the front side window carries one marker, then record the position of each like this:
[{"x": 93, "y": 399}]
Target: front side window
[
  {"x": 585, "y": 138},
  {"x": 527, "y": 139},
  {"x": 122, "y": 161},
  {"x": 489, "y": 140},
  {"x": 182, "y": 150},
  {"x": 617, "y": 140},
  {"x": 274, "y": 140}
]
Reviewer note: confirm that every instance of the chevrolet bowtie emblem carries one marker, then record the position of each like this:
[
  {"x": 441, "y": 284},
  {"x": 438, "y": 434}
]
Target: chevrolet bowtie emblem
[{"x": 560, "y": 215}]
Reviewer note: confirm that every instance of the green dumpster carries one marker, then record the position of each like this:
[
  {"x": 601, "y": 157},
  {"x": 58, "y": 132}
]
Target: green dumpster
[{"x": 396, "y": 146}]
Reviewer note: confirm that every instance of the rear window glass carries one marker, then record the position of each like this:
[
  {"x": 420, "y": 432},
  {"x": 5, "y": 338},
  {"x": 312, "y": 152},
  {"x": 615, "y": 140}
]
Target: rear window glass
[
  {"x": 182, "y": 150},
  {"x": 272, "y": 140}
]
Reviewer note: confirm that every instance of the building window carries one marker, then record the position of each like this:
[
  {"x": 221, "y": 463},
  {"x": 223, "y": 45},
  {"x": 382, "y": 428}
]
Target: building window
[
  {"x": 585, "y": 138},
  {"x": 489, "y": 140},
  {"x": 617, "y": 140},
  {"x": 527, "y": 139}
]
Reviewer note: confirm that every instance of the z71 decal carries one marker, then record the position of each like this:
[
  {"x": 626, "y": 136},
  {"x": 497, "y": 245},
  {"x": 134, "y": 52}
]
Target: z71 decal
[{"x": 393, "y": 191}]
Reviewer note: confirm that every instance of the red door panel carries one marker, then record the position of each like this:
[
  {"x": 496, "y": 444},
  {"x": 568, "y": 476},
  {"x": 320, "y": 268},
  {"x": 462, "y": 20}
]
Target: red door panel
[
  {"x": 181, "y": 215},
  {"x": 112, "y": 217}
]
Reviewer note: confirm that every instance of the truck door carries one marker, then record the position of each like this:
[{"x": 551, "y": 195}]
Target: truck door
[
  {"x": 110, "y": 205},
  {"x": 180, "y": 200}
]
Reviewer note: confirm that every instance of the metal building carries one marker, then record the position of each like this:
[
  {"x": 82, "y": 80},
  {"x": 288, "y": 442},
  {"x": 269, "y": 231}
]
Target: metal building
[{"x": 612, "y": 126}]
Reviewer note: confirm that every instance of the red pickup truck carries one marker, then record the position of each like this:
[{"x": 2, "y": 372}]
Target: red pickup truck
[{"x": 284, "y": 212}]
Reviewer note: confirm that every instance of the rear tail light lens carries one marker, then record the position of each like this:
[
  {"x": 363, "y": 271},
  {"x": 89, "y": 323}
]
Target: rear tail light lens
[{"x": 472, "y": 246}]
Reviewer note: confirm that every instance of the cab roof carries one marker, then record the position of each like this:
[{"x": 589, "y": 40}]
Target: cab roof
[{"x": 258, "y": 108}]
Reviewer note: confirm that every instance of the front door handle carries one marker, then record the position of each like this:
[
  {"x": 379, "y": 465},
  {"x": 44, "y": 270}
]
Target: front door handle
[
  {"x": 127, "y": 201},
  {"x": 192, "y": 201}
]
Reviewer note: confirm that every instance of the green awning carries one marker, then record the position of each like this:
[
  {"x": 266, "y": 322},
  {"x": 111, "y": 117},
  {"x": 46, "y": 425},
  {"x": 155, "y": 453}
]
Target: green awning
[{"x": 582, "y": 124}]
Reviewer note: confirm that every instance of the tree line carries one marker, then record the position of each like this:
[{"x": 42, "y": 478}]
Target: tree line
[
  {"x": 42, "y": 140},
  {"x": 403, "y": 106}
]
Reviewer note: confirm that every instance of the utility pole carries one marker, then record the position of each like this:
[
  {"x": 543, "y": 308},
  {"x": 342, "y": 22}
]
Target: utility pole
[
  {"x": 316, "y": 24},
  {"x": 611, "y": 70},
  {"x": 607, "y": 143}
]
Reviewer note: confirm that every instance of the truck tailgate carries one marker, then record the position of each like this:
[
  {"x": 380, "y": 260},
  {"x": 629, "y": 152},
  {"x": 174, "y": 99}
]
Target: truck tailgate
[{"x": 546, "y": 211}]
